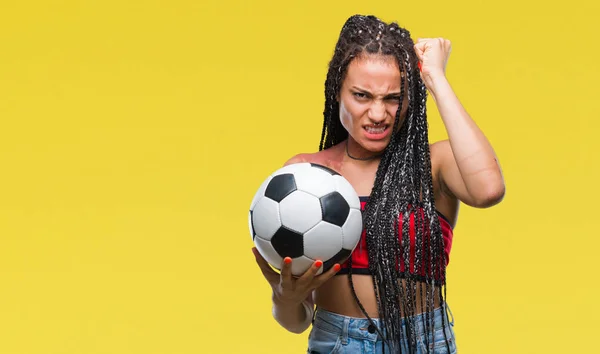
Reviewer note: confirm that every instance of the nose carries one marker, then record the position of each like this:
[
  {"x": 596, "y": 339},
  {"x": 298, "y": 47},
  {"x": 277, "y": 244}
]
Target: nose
[{"x": 376, "y": 112}]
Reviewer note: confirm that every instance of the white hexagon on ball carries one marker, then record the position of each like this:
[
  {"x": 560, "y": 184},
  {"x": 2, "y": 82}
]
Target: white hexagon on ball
[
  {"x": 323, "y": 241},
  {"x": 352, "y": 229},
  {"x": 315, "y": 181},
  {"x": 300, "y": 265},
  {"x": 300, "y": 211},
  {"x": 265, "y": 218}
]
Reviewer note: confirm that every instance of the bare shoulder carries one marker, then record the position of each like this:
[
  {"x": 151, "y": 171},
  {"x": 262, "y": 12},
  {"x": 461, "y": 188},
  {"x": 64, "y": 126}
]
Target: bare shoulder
[
  {"x": 324, "y": 157},
  {"x": 304, "y": 157}
]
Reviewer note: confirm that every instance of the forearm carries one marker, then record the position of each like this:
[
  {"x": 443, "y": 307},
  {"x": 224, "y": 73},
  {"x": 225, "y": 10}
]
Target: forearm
[
  {"x": 474, "y": 155},
  {"x": 295, "y": 318}
]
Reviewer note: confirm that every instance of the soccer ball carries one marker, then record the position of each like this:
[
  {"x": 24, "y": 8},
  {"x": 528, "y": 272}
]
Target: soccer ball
[{"x": 307, "y": 212}]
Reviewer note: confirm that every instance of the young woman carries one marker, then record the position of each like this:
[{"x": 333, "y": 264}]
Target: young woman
[{"x": 391, "y": 298}]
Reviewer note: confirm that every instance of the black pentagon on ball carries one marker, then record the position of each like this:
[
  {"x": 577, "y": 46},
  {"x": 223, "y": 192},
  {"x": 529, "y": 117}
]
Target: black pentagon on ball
[
  {"x": 252, "y": 225},
  {"x": 280, "y": 187},
  {"x": 288, "y": 243},
  {"x": 335, "y": 208},
  {"x": 340, "y": 257},
  {"x": 326, "y": 169}
]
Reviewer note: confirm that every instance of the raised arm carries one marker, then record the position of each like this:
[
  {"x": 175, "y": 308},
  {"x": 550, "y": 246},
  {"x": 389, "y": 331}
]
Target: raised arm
[{"x": 468, "y": 167}]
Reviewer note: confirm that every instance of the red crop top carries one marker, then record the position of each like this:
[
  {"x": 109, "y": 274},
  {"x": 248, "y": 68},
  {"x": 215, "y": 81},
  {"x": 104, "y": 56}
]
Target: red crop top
[{"x": 360, "y": 259}]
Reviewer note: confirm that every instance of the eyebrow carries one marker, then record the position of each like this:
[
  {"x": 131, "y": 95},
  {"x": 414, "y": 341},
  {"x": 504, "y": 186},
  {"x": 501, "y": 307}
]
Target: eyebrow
[{"x": 393, "y": 94}]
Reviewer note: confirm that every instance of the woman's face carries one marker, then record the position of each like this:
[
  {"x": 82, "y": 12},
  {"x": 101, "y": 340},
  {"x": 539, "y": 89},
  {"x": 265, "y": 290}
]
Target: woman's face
[{"x": 369, "y": 99}]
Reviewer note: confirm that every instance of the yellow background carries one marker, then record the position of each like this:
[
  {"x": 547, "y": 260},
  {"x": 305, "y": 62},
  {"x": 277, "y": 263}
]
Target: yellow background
[{"x": 134, "y": 134}]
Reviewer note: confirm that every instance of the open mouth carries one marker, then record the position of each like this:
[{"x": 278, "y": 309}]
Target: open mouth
[{"x": 376, "y": 129}]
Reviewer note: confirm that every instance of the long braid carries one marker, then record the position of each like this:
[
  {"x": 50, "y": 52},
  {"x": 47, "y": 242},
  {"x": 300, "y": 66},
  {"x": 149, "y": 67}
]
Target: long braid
[
  {"x": 402, "y": 192},
  {"x": 434, "y": 228}
]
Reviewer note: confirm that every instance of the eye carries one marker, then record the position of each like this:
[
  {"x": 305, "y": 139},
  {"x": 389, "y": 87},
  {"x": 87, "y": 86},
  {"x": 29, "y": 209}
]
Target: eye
[
  {"x": 359, "y": 95},
  {"x": 394, "y": 99}
]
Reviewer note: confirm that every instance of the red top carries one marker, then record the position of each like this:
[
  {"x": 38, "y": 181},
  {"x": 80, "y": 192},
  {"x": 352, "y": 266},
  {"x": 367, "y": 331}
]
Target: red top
[{"x": 360, "y": 259}]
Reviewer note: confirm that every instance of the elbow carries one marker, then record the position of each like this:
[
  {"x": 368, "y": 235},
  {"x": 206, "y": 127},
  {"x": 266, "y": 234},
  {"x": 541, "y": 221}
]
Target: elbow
[
  {"x": 298, "y": 323},
  {"x": 297, "y": 330},
  {"x": 491, "y": 195}
]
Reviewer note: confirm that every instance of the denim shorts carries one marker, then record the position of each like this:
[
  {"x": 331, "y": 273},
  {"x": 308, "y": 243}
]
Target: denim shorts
[{"x": 333, "y": 333}]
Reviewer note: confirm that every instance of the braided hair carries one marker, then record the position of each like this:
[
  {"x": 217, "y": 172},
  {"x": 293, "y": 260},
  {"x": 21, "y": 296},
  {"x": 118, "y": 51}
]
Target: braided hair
[{"x": 403, "y": 186}]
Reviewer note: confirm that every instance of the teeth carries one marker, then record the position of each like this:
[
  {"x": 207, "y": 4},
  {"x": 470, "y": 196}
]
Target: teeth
[{"x": 375, "y": 130}]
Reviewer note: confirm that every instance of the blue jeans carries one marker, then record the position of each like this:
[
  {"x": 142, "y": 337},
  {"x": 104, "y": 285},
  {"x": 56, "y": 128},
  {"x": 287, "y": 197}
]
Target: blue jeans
[{"x": 333, "y": 333}]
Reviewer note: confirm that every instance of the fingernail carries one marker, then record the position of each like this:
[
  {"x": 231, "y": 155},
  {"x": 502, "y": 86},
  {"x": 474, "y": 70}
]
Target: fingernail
[
  {"x": 318, "y": 264},
  {"x": 287, "y": 260},
  {"x": 419, "y": 64},
  {"x": 337, "y": 267}
]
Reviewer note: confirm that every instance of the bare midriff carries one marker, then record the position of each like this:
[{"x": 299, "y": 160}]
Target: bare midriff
[{"x": 336, "y": 296}]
